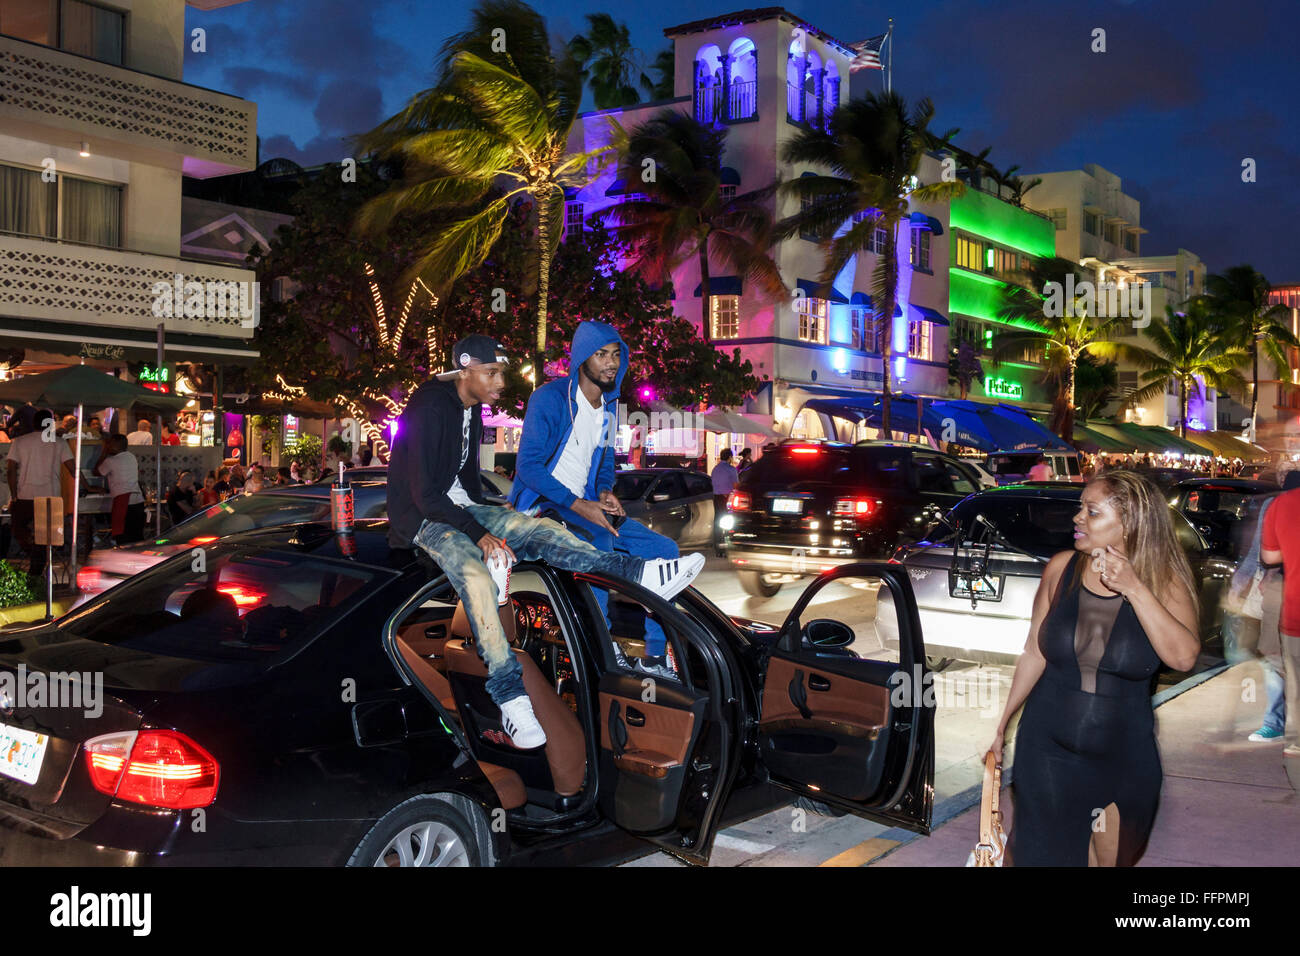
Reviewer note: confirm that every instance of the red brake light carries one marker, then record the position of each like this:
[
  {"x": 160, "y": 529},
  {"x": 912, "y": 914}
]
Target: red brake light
[
  {"x": 805, "y": 450},
  {"x": 739, "y": 501},
  {"x": 157, "y": 768},
  {"x": 859, "y": 507},
  {"x": 90, "y": 579}
]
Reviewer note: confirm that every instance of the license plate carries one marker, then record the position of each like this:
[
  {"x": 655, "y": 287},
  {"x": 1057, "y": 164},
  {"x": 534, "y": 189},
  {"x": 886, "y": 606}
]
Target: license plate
[
  {"x": 21, "y": 753},
  {"x": 789, "y": 506},
  {"x": 988, "y": 587}
]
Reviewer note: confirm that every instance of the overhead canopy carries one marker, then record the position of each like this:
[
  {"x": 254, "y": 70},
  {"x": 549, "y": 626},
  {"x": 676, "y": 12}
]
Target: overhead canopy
[
  {"x": 821, "y": 290},
  {"x": 723, "y": 285},
  {"x": 1093, "y": 440},
  {"x": 83, "y": 385},
  {"x": 1009, "y": 428},
  {"x": 1127, "y": 443},
  {"x": 929, "y": 315},
  {"x": 926, "y": 222},
  {"x": 729, "y": 177},
  {"x": 1227, "y": 445},
  {"x": 1158, "y": 440}
]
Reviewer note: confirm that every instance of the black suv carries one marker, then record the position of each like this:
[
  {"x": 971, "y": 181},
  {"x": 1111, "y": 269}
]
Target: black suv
[{"x": 806, "y": 506}]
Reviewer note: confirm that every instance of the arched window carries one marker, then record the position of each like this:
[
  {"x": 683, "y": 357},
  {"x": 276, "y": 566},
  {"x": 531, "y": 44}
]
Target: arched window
[
  {"x": 794, "y": 73},
  {"x": 831, "y": 99},
  {"x": 708, "y": 83},
  {"x": 742, "y": 88},
  {"x": 812, "y": 87}
]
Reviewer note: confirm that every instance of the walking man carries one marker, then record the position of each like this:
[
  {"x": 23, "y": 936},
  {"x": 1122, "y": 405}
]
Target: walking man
[
  {"x": 435, "y": 502},
  {"x": 724, "y": 479},
  {"x": 36, "y": 459}
]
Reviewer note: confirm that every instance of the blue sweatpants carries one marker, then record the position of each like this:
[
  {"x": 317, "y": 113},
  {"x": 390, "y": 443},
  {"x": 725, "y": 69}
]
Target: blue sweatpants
[{"x": 633, "y": 538}]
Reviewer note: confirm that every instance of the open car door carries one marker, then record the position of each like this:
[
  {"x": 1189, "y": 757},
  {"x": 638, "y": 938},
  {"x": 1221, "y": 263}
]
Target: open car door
[
  {"x": 844, "y": 730},
  {"x": 669, "y": 748}
]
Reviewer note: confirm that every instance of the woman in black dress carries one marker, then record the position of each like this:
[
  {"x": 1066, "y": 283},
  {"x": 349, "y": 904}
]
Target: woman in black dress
[{"x": 1087, "y": 774}]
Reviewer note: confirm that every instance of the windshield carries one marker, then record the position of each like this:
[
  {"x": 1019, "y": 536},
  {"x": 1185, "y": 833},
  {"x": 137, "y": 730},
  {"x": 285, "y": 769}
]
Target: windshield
[
  {"x": 243, "y": 603},
  {"x": 631, "y": 487},
  {"x": 1208, "y": 499},
  {"x": 246, "y": 512},
  {"x": 1041, "y": 526}
]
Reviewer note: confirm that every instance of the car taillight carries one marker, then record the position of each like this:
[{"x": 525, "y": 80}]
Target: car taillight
[
  {"x": 859, "y": 507},
  {"x": 805, "y": 450},
  {"x": 90, "y": 579},
  {"x": 739, "y": 501},
  {"x": 157, "y": 768}
]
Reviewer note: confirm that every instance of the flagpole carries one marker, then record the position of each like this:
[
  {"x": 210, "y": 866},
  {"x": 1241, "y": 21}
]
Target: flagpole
[{"x": 889, "y": 77}]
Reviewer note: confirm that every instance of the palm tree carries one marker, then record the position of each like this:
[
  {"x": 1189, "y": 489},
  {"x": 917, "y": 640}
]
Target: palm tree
[
  {"x": 493, "y": 130},
  {"x": 1038, "y": 310},
  {"x": 1238, "y": 298},
  {"x": 608, "y": 60},
  {"x": 1187, "y": 346},
  {"x": 665, "y": 64},
  {"x": 684, "y": 214},
  {"x": 873, "y": 147}
]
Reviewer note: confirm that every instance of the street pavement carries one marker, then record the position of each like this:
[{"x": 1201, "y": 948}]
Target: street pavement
[{"x": 1225, "y": 800}]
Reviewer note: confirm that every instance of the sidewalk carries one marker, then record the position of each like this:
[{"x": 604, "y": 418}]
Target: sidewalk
[{"x": 1225, "y": 801}]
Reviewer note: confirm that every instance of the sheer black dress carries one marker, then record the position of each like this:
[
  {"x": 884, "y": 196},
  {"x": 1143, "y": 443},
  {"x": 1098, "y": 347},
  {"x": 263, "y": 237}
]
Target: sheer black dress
[{"x": 1087, "y": 735}]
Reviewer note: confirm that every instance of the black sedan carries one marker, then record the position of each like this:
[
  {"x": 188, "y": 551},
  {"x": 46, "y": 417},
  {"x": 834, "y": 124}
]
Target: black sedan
[
  {"x": 676, "y": 502},
  {"x": 305, "y": 698},
  {"x": 1224, "y": 510}
]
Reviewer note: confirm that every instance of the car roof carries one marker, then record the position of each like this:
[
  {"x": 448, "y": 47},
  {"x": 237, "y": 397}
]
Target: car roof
[
  {"x": 369, "y": 543},
  {"x": 1236, "y": 484},
  {"x": 1032, "y": 489}
]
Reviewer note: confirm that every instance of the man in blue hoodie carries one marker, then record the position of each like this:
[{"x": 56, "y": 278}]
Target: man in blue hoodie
[{"x": 565, "y": 464}]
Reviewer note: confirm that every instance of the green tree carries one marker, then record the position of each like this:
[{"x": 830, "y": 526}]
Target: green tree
[
  {"x": 665, "y": 65},
  {"x": 1061, "y": 331},
  {"x": 964, "y": 367},
  {"x": 873, "y": 147},
  {"x": 1186, "y": 347},
  {"x": 675, "y": 161},
  {"x": 609, "y": 62},
  {"x": 501, "y": 113},
  {"x": 1238, "y": 299}
]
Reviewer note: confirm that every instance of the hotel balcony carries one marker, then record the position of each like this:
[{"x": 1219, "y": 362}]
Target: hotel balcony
[
  {"x": 56, "y": 283},
  {"x": 49, "y": 95}
]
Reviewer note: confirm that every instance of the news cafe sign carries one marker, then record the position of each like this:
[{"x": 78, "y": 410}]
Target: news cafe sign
[{"x": 1003, "y": 388}]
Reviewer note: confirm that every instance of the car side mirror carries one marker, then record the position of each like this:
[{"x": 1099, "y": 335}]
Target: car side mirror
[
  {"x": 659, "y": 497},
  {"x": 826, "y": 633}
]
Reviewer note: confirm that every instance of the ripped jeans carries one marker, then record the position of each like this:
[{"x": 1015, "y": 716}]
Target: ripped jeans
[{"x": 531, "y": 539}]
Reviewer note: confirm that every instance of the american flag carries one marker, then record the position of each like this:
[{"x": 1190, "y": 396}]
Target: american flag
[{"x": 868, "y": 54}]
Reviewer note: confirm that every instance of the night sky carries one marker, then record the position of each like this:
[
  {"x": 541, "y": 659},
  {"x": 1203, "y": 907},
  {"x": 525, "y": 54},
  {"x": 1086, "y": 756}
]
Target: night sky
[{"x": 1186, "y": 90}]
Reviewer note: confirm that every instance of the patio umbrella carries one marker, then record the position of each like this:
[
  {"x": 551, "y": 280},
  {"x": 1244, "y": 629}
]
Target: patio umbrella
[
  {"x": 79, "y": 386},
  {"x": 1008, "y": 428}
]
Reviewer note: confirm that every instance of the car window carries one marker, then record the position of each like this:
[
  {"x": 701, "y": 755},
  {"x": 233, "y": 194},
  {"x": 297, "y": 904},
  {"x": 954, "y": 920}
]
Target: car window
[
  {"x": 1041, "y": 526},
  {"x": 930, "y": 474},
  {"x": 626, "y": 629},
  {"x": 631, "y": 487},
  {"x": 962, "y": 482},
  {"x": 699, "y": 485},
  {"x": 241, "y": 603},
  {"x": 671, "y": 485},
  {"x": 247, "y": 512},
  {"x": 788, "y": 466}
]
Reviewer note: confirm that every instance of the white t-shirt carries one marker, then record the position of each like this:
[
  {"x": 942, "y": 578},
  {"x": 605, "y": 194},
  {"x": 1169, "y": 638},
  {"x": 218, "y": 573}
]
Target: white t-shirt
[
  {"x": 457, "y": 492},
  {"x": 139, "y": 438},
  {"x": 39, "y": 464},
  {"x": 574, "y": 466},
  {"x": 123, "y": 474}
]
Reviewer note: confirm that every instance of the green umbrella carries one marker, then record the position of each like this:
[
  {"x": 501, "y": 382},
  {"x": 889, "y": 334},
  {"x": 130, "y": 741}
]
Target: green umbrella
[{"x": 76, "y": 387}]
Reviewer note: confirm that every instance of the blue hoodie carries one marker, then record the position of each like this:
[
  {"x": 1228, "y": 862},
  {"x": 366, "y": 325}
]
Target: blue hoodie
[{"x": 548, "y": 422}]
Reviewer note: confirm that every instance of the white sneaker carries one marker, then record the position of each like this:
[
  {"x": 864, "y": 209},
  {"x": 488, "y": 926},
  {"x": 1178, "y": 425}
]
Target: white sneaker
[
  {"x": 499, "y": 565},
  {"x": 666, "y": 576},
  {"x": 520, "y": 724}
]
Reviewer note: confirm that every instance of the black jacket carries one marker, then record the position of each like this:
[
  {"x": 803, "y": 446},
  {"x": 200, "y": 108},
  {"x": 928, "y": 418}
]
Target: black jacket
[{"x": 423, "y": 463}]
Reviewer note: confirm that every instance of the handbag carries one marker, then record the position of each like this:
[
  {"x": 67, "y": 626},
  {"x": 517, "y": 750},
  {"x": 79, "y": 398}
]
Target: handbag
[
  {"x": 991, "y": 848},
  {"x": 1253, "y": 604}
]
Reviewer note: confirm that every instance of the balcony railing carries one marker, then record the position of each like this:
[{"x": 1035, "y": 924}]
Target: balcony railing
[
  {"x": 68, "y": 282},
  {"x": 125, "y": 113},
  {"x": 708, "y": 101},
  {"x": 743, "y": 100}
]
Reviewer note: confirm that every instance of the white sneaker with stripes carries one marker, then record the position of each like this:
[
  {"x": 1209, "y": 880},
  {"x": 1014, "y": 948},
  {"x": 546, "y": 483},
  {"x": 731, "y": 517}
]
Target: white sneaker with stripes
[
  {"x": 666, "y": 576},
  {"x": 499, "y": 565},
  {"x": 520, "y": 724}
]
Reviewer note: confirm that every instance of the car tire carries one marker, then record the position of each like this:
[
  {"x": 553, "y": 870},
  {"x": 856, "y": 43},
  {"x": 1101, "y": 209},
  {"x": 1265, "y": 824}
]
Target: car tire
[
  {"x": 938, "y": 664},
  {"x": 422, "y": 831},
  {"x": 757, "y": 584},
  {"x": 817, "y": 807}
]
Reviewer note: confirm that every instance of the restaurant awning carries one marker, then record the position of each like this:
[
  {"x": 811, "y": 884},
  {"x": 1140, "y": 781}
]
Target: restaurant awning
[
  {"x": 1157, "y": 440},
  {"x": 1094, "y": 440},
  {"x": 822, "y": 290},
  {"x": 1009, "y": 428},
  {"x": 1226, "y": 445}
]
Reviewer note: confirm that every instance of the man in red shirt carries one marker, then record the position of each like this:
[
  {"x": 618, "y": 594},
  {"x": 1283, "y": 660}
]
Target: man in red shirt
[{"x": 1280, "y": 544}]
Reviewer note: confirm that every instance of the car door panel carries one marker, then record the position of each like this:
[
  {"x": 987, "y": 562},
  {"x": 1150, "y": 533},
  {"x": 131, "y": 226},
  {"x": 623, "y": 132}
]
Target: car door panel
[{"x": 850, "y": 731}]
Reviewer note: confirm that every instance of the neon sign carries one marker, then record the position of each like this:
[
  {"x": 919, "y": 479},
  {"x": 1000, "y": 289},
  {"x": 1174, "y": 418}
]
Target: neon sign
[
  {"x": 1003, "y": 388},
  {"x": 155, "y": 379}
]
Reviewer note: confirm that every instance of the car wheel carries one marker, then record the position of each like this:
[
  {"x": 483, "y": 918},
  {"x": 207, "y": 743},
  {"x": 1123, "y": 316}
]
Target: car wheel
[
  {"x": 937, "y": 664},
  {"x": 422, "y": 831},
  {"x": 759, "y": 583},
  {"x": 817, "y": 807}
]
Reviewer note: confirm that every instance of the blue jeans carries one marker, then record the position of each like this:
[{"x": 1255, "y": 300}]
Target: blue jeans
[
  {"x": 633, "y": 538},
  {"x": 1239, "y": 639},
  {"x": 531, "y": 539}
]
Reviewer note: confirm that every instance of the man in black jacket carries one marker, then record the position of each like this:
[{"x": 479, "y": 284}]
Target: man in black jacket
[{"x": 435, "y": 502}]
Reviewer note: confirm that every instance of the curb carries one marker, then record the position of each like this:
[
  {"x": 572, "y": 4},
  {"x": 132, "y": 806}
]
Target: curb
[
  {"x": 31, "y": 613},
  {"x": 959, "y": 803}
]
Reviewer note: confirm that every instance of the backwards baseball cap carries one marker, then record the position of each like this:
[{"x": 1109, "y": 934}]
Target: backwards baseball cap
[{"x": 473, "y": 350}]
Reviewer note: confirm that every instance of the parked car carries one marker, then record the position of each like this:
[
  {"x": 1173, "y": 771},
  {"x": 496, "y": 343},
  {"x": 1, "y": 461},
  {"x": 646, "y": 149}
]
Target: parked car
[
  {"x": 1223, "y": 510},
  {"x": 986, "y": 478},
  {"x": 1166, "y": 478},
  {"x": 275, "y": 505},
  {"x": 1012, "y": 466},
  {"x": 1257, "y": 472},
  {"x": 807, "y": 506},
  {"x": 318, "y": 696},
  {"x": 975, "y": 586},
  {"x": 676, "y": 502}
]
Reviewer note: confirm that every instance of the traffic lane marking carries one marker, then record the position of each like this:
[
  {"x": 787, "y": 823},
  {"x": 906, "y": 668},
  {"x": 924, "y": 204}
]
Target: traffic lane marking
[{"x": 863, "y": 853}]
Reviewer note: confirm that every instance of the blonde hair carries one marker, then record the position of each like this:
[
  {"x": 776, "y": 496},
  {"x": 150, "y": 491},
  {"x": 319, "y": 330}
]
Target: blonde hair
[{"x": 1149, "y": 539}]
